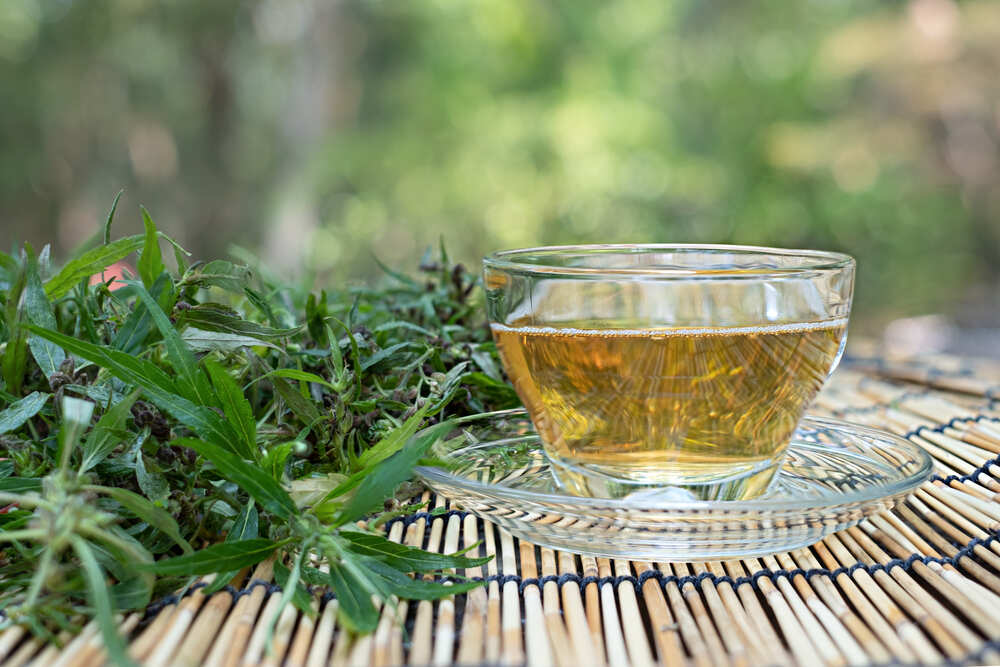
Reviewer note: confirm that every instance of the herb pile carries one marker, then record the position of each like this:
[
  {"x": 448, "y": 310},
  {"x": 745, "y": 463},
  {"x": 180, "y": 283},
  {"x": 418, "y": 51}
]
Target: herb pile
[{"x": 199, "y": 421}]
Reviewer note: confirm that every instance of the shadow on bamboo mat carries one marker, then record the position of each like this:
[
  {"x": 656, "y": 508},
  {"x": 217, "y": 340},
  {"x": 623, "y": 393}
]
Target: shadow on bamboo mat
[{"x": 917, "y": 584}]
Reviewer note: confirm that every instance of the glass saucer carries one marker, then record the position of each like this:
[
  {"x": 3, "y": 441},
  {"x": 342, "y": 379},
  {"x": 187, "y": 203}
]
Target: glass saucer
[{"x": 835, "y": 473}]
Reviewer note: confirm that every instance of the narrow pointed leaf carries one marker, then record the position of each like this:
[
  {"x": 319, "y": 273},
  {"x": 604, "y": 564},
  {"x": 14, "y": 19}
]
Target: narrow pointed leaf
[
  {"x": 151, "y": 262},
  {"x": 157, "y": 517},
  {"x": 93, "y": 261},
  {"x": 354, "y": 604},
  {"x": 402, "y": 557},
  {"x": 47, "y": 354},
  {"x": 191, "y": 382},
  {"x": 394, "y": 582},
  {"x": 236, "y": 407},
  {"x": 221, "y": 557},
  {"x": 251, "y": 478},
  {"x": 244, "y": 528},
  {"x": 382, "y": 480},
  {"x": 100, "y": 600},
  {"x": 106, "y": 434},
  {"x": 20, "y": 411}
]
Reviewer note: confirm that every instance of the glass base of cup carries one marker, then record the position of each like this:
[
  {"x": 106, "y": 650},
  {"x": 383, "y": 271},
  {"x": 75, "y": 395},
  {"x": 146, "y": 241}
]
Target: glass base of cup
[{"x": 584, "y": 480}]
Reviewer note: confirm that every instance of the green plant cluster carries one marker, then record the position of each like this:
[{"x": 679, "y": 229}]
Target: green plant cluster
[{"x": 196, "y": 422}]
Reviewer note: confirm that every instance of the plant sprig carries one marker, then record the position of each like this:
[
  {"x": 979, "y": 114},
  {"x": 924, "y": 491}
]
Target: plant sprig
[{"x": 193, "y": 422}]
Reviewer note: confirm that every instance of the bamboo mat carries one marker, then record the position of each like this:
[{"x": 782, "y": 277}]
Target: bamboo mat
[{"x": 918, "y": 584}]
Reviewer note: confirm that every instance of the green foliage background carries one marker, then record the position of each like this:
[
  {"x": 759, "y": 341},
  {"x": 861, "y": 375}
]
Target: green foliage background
[{"x": 331, "y": 131}]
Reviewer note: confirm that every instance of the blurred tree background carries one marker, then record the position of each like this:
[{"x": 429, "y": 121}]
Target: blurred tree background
[{"x": 320, "y": 134}]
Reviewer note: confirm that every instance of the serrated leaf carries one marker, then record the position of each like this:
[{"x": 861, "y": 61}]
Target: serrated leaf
[
  {"x": 157, "y": 517},
  {"x": 235, "y": 406},
  {"x": 200, "y": 340},
  {"x": 219, "y": 273},
  {"x": 158, "y": 386},
  {"x": 402, "y": 557},
  {"x": 222, "y": 557},
  {"x": 107, "y": 433},
  {"x": 395, "y": 440},
  {"x": 191, "y": 382},
  {"x": 258, "y": 483},
  {"x": 212, "y": 317},
  {"x": 303, "y": 408},
  {"x": 129, "y": 369},
  {"x": 18, "y": 412},
  {"x": 381, "y": 480},
  {"x": 393, "y": 582},
  {"x": 355, "y": 609},
  {"x": 139, "y": 323},
  {"x": 93, "y": 261},
  {"x": 151, "y": 261}
]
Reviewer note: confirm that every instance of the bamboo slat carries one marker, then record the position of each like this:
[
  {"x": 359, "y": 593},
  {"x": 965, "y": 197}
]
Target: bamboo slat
[{"x": 917, "y": 584}]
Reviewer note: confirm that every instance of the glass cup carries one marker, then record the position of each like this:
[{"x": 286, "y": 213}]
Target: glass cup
[{"x": 673, "y": 371}]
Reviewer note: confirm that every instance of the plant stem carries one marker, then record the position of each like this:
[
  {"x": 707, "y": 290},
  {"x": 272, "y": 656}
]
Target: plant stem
[{"x": 37, "y": 581}]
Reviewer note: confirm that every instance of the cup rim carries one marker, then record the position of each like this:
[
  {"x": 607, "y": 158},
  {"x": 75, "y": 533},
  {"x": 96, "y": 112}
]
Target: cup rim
[{"x": 812, "y": 261}]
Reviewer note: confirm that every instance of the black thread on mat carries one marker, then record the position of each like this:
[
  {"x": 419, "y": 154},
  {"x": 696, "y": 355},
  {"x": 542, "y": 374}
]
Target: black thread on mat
[
  {"x": 637, "y": 582},
  {"x": 940, "y": 428},
  {"x": 424, "y": 516},
  {"x": 972, "y": 476}
]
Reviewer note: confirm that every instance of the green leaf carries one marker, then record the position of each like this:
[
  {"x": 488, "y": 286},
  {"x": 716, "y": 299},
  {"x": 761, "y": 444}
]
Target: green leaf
[
  {"x": 151, "y": 261},
  {"x": 236, "y": 407},
  {"x": 157, "y": 517},
  {"x": 275, "y": 459},
  {"x": 20, "y": 484},
  {"x": 296, "y": 374},
  {"x": 213, "y": 317},
  {"x": 100, "y": 600},
  {"x": 221, "y": 557},
  {"x": 153, "y": 484},
  {"x": 219, "y": 273},
  {"x": 394, "y": 582},
  {"x": 303, "y": 408},
  {"x": 93, "y": 261},
  {"x": 383, "y": 356},
  {"x": 300, "y": 598},
  {"x": 402, "y": 557},
  {"x": 107, "y": 433},
  {"x": 18, "y": 412},
  {"x": 354, "y": 604},
  {"x": 381, "y": 480},
  {"x": 252, "y": 479},
  {"x": 244, "y": 528},
  {"x": 200, "y": 340},
  {"x": 158, "y": 386},
  {"x": 139, "y": 324},
  {"x": 111, "y": 217},
  {"x": 191, "y": 382},
  {"x": 76, "y": 414},
  {"x": 47, "y": 354},
  {"x": 395, "y": 440},
  {"x": 125, "y": 367}
]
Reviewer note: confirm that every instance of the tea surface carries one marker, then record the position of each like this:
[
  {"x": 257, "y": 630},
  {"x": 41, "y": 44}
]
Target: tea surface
[{"x": 668, "y": 405}]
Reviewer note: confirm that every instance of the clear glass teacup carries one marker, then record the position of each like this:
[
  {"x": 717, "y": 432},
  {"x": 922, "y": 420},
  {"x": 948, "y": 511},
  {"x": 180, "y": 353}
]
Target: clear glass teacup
[{"x": 674, "y": 371}]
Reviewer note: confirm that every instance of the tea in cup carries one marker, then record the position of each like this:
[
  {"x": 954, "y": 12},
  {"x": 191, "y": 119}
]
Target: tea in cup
[{"x": 667, "y": 371}]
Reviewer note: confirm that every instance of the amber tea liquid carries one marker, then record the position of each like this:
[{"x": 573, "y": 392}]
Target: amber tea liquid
[{"x": 660, "y": 406}]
